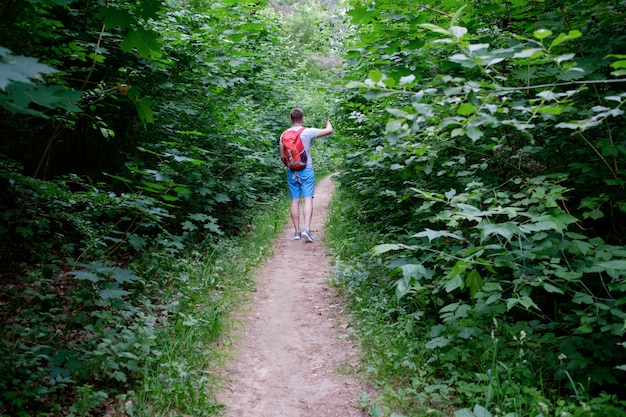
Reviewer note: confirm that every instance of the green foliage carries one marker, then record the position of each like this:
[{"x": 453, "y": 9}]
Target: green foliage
[
  {"x": 487, "y": 151},
  {"x": 141, "y": 142}
]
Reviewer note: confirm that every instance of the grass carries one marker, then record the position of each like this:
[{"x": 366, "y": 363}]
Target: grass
[{"x": 209, "y": 284}]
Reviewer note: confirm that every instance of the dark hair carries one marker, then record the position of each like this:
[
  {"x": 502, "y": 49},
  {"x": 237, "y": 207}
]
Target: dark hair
[{"x": 297, "y": 115}]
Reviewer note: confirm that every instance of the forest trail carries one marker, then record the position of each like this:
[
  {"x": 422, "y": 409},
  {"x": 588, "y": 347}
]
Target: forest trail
[{"x": 294, "y": 339}]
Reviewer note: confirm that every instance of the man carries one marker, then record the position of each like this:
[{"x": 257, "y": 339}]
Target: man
[{"x": 302, "y": 183}]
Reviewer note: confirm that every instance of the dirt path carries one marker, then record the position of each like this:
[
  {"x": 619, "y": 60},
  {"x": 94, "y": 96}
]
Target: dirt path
[{"x": 294, "y": 338}]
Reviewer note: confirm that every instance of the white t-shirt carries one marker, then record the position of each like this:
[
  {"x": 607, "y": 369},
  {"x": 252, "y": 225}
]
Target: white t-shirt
[{"x": 307, "y": 136}]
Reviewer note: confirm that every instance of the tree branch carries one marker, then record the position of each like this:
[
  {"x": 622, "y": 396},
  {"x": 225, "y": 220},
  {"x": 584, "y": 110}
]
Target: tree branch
[{"x": 4, "y": 8}]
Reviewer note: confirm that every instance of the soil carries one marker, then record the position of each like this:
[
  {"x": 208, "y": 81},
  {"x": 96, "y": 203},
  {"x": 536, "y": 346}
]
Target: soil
[{"x": 293, "y": 352}]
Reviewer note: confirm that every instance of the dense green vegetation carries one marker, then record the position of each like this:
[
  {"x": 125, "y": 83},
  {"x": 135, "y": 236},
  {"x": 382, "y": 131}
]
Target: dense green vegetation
[
  {"x": 486, "y": 165},
  {"x": 478, "y": 227},
  {"x": 139, "y": 145}
]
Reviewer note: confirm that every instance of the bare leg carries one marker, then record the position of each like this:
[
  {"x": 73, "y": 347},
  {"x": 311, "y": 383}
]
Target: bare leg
[
  {"x": 295, "y": 213},
  {"x": 308, "y": 212}
]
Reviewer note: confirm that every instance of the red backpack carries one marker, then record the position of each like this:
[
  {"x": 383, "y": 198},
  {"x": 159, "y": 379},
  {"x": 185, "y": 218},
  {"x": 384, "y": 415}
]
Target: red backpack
[{"x": 293, "y": 155}]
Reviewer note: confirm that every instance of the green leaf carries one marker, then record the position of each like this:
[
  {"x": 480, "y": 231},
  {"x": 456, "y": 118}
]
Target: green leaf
[
  {"x": 613, "y": 264},
  {"x": 116, "y": 18},
  {"x": 149, "y": 9},
  {"x": 572, "y": 34},
  {"x": 143, "y": 40},
  {"x": 579, "y": 246},
  {"x": 542, "y": 33},
  {"x": 356, "y": 84},
  {"x": 435, "y": 28},
  {"x": 434, "y": 234},
  {"x": 453, "y": 283},
  {"x": 87, "y": 276},
  {"x": 511, "y": 302},
  {"x": 480, "y": 411},
  {"x": 144, "y": 109},
  {"x": 373, "y": 94},
  {"x": 464, "y": 412},
  {"x": 137, "y": 242},
  {"x": 529, "y": 53},
  {"x": 413, "y": 271},
  {"x": 113, "y": 292},
  {"x": 474, "y": 282},
  {"x": 407, "y": 80},
  {"x": 458, "y": 31},
  {"x": 52, "y": 97},
  {"x": 123, "y": 275},
  {"x": 466, "y": 109},
  {"x": 582, "y": 298},
  {"x": 551, "y": 288},
  {"x": 474, "y": 133},
  {"x": 22, "y": 69},
  {"x": 187, "y": 225},
  {"x": 507, "y": 230},
  {"x": 437, "y": 342},
  {"x": 376, "y": 76},
  {"x": 619, "y": 64}
]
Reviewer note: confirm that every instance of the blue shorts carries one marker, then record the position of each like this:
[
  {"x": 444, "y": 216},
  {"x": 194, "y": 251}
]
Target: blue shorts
[{"x": 301, "y": 183}]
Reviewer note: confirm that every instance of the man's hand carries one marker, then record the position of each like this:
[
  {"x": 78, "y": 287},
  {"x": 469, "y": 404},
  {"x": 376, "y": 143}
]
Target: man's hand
[{"x": 327, "y": 130}]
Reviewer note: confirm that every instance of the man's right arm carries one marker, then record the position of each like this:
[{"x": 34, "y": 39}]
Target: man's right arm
[
  {"x": 281, "y": 147},
  {"x": 327, "y": 130}
]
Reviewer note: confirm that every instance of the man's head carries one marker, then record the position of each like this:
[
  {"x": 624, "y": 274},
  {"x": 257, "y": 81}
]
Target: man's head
[{"x": 297, "y": 115}]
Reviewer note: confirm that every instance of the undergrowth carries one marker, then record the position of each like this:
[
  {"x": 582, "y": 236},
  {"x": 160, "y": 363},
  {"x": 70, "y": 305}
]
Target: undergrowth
[
  {"x": 499, "y": 365},
  {"x": 140, "y": 339}
]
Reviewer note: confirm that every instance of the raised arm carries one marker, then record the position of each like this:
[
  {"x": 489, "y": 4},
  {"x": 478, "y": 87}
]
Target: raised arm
[{"x": 327, "y": 130}]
